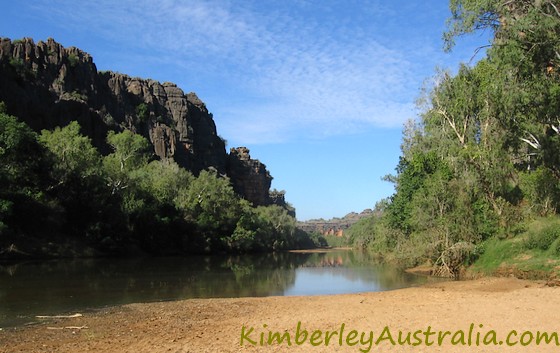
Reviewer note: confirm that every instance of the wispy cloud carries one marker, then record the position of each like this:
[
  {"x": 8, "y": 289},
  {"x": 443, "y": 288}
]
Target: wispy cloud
[{"x": 293, "y": 68}]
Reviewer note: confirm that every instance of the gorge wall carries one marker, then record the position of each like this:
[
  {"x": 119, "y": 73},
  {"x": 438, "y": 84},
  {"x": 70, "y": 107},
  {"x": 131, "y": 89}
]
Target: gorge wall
[
  {"x": 334, "y": 226},
  {"x": 47, "y": 85}
]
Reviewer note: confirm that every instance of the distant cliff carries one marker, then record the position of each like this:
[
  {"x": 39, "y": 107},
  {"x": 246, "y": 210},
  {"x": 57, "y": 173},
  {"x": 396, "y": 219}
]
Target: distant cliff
[
  {"x": 47, "y": 85},
  {"x": 335, "y": 226}
]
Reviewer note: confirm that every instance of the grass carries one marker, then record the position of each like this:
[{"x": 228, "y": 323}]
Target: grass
[{"x": 534, "y": 253}]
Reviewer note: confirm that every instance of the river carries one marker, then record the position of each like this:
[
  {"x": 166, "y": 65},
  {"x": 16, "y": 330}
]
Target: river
[{"x": 78, "y": 285}]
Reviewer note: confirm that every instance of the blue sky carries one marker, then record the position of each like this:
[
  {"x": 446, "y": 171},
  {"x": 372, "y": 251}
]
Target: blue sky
[{"x": 318, "y": 90}]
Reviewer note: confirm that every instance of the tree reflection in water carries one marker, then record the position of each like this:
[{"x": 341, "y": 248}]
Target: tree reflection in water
[{"x": 54, "y": 287}]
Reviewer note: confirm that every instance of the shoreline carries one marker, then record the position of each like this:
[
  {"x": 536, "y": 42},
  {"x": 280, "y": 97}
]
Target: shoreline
[
  {"x": 215, "y": 325},
  {"x": 320, "y": 250}
]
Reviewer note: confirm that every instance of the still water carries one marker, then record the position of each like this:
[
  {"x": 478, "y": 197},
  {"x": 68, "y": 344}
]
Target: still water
[{"x": 69, "y": 286}]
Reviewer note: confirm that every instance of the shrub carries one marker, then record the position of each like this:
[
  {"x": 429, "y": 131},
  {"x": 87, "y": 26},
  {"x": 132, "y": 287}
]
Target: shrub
[
  {"x": 555, "y": 247},
  {"x": 543, "y": 239},
  {"x": 142, "y": 112},
  {"x": 73, "y": 60},
  {"x": 18, "y": 66}
]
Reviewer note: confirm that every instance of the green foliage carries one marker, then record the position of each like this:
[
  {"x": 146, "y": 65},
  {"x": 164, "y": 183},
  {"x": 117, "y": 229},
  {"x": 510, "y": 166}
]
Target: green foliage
[
  {"x": 23, "y": 179},
  {"x": 496, "y": 253},
  {"x": 335, "y": 241},
  {"x": 276, "y": 229},
  {"x": 74, "y": 153},
  {"x": 501, "y": 256},
  {"x": 244, "y": 236},
  {"x": 20, "y": 153},
  {"x": 470, "y": 15},
  {"x": 109, "y": 120},
  {"x": 555, "y": 247},
  {"x": 361, "y": 233},
  {"x": 543, "y": 238},
  {"x": 73, "y": 60},
  {"x": 270, "y": 228},
  {"x": 21, "y": 69},
  {"x": 130, "y": 150},
  {"x": 212, "y": 206},
  {"x": 486, "y": 151},
  {"x": 541, "y": 188},
  {"x": 412, "y": 174},
  {"x": 318, "y": 240},
  {"x": 79, "y": 183},
  {"x": 18, "y": 65},
  {"x": 164, "y": 180},
  {"x": 123, "y": 201},
  {"x": 142, "y": 112}
]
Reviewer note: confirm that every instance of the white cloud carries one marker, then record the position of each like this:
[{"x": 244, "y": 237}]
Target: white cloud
[{"x": 302, "y": 73}]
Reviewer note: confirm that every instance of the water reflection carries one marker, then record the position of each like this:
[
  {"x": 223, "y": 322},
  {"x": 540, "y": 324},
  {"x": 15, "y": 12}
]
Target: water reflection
[
  {"x": 348, "y": 272},
  {"x": 55, "y": 287}
]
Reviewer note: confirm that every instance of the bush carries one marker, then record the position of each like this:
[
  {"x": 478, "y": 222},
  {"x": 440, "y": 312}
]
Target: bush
[
  {"x": 142, "y": 112},
  {"x": 336, "y": 241},
  {"x": 73, "y": 60},
  {"x": 555, "y": 247},
  {"x": 543, "y": 239},
  {"x": 540, "y": 187},
  {"x": 305, "y": 240}
]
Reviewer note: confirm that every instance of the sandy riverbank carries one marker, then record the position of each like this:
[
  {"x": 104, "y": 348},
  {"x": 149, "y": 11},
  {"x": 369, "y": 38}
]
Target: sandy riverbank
[{"x": 215, "y": 325}]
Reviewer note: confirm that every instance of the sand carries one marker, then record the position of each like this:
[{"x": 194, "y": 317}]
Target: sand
[{"x": 500, "y": 305}]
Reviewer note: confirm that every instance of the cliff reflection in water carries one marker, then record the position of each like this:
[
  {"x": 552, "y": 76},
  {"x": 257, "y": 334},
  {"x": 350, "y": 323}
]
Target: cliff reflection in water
[
  {"x": 340, "y": 272},
  {"x": 55, "y": 287}
]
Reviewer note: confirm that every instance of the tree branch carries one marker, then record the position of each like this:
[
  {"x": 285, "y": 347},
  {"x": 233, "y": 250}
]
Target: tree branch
[{"x": 554, "y": 7}]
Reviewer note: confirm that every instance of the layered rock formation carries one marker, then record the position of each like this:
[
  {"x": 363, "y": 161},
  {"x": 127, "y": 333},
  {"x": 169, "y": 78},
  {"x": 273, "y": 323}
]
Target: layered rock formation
[
  {"x": 334, "y": 226},
  {"x": 47, "y": 85},
  {"x": 249, "y": 176}
]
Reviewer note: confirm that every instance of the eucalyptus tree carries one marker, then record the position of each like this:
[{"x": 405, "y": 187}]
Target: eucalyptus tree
[{"x": 486, "y": 148}]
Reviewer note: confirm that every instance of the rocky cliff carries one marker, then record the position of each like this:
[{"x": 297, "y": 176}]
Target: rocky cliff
[
  {"x": 47, "y": 85},
  {"x": 335, "y": 226},
  {"x": 249, "y": 176}
]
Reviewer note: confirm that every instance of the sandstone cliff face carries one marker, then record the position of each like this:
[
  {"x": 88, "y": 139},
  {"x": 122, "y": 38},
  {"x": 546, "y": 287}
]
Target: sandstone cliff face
[
  {"x": 249, "y": 176},
  {"x": 334, "y": 226},
  {"x": 47, "y": 85}
]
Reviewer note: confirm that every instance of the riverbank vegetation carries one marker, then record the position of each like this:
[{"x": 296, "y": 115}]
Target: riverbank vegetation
[
  {"x": 61, "y": 197},
  {"x": 479, "y": 174}
]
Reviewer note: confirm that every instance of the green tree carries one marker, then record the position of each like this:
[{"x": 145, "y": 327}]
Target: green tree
[
  {"x": 265, "y": 228},
  {"x": 486, "y": 148},
  {"x": 74, "y": 154},
  {"x": 277, "y": 229},
  {"x": 411, "y": 175},
  {"x": 142, "y": 112},
  {"x": 79, "y": 185},
  {"x": 164, "y": 180},
  {"x": 213, "y": 207},
  {"x": 158, "y": 222},
  {"x": 23, "y": 178},
  {"x": 130, "y": 152},
  {"x": 20, "y": 154}
]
